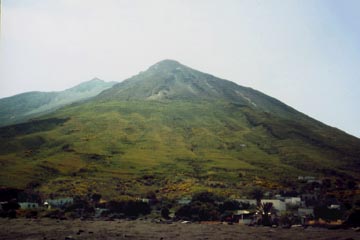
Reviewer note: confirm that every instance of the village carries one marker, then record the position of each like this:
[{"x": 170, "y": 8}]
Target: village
[{"x": 287, "y": 209}]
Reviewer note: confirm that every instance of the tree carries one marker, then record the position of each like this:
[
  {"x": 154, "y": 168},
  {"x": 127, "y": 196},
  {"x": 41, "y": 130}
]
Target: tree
[
  {"x": 9, "y": 209},
  {"x": 205, "y": 197},
  {"x": 230, "y": 205},
  {"x": 351, "y": 184},
  {"x": 327, "y": 214},
  {"x": 265, "y": 210},
  {"x": 258, "y": 194},
  {"x": 353, "y": 220},
  {"x": 165, "y": 212},
  {"x": 151, "y": 195},
  {"x": 135, "y": 208},
  {"x": 129, "y": 208},
  {"x": 96, "y": 197},
  {"x": 199, "y": 211}
]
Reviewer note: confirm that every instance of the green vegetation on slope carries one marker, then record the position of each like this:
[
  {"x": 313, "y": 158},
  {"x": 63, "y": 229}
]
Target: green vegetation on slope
[{"x": 125, "y": 148}]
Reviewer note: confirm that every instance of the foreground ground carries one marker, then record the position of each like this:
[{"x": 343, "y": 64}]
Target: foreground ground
[{"x": 48, "y": 229}]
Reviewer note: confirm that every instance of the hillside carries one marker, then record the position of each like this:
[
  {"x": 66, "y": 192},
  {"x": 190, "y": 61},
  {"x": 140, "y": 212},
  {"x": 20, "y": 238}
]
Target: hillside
[
  {"x": 173, "y": 130},
  {"x": 27, "y": 105}
]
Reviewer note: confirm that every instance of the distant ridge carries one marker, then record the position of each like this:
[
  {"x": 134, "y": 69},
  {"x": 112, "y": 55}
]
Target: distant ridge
[{"x": 24, "y": 106}]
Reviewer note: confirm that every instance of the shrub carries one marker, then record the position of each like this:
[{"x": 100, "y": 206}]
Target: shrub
[
  {"x": 9, "y": 209},
  {"x": 206, "y": 197},
  {"x": 354, "y": 219},
  {"x": 129, "y": 208},
  {"x": 96, "y": 197},
  {"x": 327, "y": 214},
  {"x": 257, "y": 193},
  {"x": 229, "y": 205},
  {"x": 165, "y": 212},
  {"x": 31, "y": 214},
  {"x": 55, "y": 214},
  {"x": 199, "y": 211}
]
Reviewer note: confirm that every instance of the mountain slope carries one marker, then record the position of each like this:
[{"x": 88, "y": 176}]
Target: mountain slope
[
  {"x": 27, "y": 105},
  {"x": 170, "y": 80},
  {"x": 173, "y": 130}
]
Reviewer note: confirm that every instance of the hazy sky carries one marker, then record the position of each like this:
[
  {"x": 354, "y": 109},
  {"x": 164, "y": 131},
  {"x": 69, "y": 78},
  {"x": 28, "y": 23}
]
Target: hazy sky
[{"x": 306, "y": 53}]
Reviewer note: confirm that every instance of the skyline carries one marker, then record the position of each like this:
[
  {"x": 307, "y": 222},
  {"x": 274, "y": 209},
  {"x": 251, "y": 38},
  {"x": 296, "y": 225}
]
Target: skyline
[{"x": 304, "y": 53}]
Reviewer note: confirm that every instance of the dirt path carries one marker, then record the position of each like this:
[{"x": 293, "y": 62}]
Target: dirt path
[{"x": 48, "y": 229}]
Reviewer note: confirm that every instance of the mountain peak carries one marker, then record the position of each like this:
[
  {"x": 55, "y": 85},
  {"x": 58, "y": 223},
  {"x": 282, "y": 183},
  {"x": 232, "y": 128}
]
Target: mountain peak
[
  {"x": 170, "y": 80},
  {"x": 167, "y": 64},
  {"x": 96, "y": 79}
]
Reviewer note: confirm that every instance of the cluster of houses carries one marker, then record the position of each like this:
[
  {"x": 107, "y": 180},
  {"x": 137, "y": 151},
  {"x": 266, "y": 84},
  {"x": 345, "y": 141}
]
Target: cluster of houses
[
  {"x": 301, "y": 205},
  {"x": 48, "y": 203},
  {"x": 280, "y": 205}
]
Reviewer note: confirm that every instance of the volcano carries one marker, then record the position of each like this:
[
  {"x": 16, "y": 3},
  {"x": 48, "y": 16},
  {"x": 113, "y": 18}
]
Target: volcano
[{"x": 173, "y": 130}]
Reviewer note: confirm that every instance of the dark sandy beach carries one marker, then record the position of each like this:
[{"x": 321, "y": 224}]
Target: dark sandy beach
[{"x": 48, "y": 229}]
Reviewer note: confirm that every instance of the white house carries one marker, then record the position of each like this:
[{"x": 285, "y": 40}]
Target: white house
[
  {"x": 184, "y": 201},
  {"x": 244, "y": 216},
  {"x": 28, "y": 205},
  {"x": 248, "y": 201},
  {"x": 145, "y": 200},
  {"x": 306, "y": 178},
  {"x": 295, "y": 201},
  {"x": 335, "y": 206},
  {"x": 306, "y": 212},
  {"x": 309, "y": 196},
  {"x": 59, "y": 202},
  {"x": 277, "y": 204}
]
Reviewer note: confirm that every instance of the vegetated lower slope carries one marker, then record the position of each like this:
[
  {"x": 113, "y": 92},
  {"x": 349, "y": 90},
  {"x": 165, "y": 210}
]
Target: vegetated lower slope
[
  {"x": 27, "y": 105},
  {"x": 173, "y": 130}
]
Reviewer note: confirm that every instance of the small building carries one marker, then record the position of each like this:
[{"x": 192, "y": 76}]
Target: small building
[
  {"x": 247, "y": 201},
  {"x": 219, "y": 202},
  {"x": 100, "y": 211},
  {"x": 306, "y": 178},
  {"x": 334, "y": 206},
  {"x": 309, "y": 199},
  {"x": 244, "y": 217},
  {"x": 184, "y": 201},
  {"x": 294, "y": 201},
  {"x": 28, "y": 205},
  {"x": 145, "y": 200},
  {"x": 306, "y": 215},
  {"x": 309, "y": 196},
  {"x": 59, "y": 202},
  {"x": 315, "y": 181},
  {"x": 306, "y": 212},
  {"x": 277, "y": 204},
  {"x": 279, "y": 197}
]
